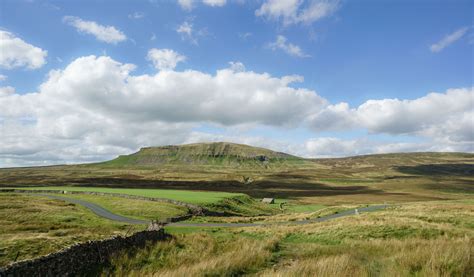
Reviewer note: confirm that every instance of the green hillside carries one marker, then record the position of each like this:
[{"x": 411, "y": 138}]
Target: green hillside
[{"x": 218, "y": 153}]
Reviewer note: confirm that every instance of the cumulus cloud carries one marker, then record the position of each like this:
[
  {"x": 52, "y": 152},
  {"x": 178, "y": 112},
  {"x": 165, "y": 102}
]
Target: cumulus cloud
[
  {"x": 3, "y": 77},
  {"x": 394, "y": 116},
  {"x": 333, "y": 117},
  {"x": 87, "y": 111},
  {"x": 96, "y": 101},
  {"x": 297, "y": 11},
  {"x": 446, "y": 115},
  {"x": 15, "y": 53},
  {"x": 5, "y": 91},
  {"x": 108, "y": 34},
  {"x": 165, "y": 59},
  {"x": 448, "y": 40},
  {"x": 291, "y": 49}
]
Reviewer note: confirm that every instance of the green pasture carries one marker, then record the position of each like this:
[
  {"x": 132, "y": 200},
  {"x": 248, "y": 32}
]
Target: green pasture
[{"x": 193, "y": 197}]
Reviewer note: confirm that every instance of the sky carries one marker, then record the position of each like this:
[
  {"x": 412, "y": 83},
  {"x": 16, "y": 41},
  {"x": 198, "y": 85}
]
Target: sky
[{"x": 85, "y": 81}]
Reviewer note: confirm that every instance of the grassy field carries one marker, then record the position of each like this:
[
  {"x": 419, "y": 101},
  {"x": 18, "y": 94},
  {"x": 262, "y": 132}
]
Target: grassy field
[
  {"x": 391, "y": 178},
  {"x": 417, "y": 239},
  {"x": 32, "y": 226},
  {"x": 194, "y": 197},
  {"x": 140, "y": 209},
  {"x": 429, "y": 231}
]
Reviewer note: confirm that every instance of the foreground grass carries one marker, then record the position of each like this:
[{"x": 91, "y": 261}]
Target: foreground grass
[
  {"x": 196, "y": 255},
  {"x": 417, "y": 239},
  {"x": 32, "y": 226},
  {"x": 194, "y": 197},
  {"x": 133, "y": 208}
]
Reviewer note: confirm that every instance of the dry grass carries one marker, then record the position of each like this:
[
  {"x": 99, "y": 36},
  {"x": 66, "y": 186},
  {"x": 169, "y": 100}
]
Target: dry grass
[
  {"x": 197, "y": 255},
  {"x": 283, "y": 217},
  {"x": 134, "y": 208},
  {"x": 416, "y": 239},
  {"x": 439, "y": 257},
  {"x": 32, "y": 226},
  {"x": 393, "y": 178}
]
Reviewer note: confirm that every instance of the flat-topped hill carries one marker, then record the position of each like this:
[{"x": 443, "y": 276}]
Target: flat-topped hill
[{"x": 216, "y": 153}]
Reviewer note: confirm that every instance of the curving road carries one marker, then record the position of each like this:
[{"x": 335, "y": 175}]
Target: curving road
[{"x": 100, "y": 211}]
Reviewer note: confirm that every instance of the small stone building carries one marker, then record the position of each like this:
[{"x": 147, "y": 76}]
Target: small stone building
[{"x": 268, "y": 200}]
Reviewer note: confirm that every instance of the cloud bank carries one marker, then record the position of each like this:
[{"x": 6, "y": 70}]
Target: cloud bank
[{"x": 96, "y": 108}]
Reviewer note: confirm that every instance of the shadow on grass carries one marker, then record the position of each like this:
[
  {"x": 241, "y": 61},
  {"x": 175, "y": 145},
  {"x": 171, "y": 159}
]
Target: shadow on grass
[
  {"x": 259, "y": 189},
  {"x": 457, "y": 170}
]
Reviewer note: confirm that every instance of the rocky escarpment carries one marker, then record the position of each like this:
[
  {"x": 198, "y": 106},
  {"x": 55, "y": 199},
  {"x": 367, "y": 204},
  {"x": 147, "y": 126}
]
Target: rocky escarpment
[{"x": 218, "y": 153}]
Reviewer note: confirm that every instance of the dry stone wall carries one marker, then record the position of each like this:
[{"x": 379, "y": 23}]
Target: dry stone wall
[{"x": 81, "y": 259}]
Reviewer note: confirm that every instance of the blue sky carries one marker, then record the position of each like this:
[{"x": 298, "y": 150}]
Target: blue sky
[{"x": 348, "y": 52}]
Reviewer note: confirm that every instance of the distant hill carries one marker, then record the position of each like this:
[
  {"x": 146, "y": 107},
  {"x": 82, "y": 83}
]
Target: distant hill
[{"x": 216, "y": 153}]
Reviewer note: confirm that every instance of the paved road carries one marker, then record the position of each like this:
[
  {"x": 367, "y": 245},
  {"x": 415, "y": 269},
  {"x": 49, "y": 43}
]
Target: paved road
[
  {"x": 299, "y": 222},
  {"x": 98, "y": 210}
]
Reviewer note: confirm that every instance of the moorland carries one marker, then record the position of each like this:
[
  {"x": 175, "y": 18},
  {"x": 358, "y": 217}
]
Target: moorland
[{"x": 427, "y": 229}]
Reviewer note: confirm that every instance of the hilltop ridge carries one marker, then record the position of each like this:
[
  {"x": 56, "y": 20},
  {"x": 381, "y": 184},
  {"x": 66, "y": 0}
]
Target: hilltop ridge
[{"x": 214, "y": 153}]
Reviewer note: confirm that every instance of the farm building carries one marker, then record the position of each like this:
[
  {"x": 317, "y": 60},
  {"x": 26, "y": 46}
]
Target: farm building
[{"x": 268, "y": 200}]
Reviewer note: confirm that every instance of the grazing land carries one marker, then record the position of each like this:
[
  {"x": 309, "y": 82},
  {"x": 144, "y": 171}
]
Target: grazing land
[
  {"x": 139, "y": 209},
  {"x": 194, "y": 197},
  {"x": 32, "y": 226},
  {"x": 391, "y": 178},
  {"x": 427, "y": 231},
  {"x": 418, "y": 239}
]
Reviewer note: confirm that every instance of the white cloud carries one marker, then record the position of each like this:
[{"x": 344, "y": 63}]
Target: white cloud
[
  {"x": 3, "y": 77},
  {"x": 215, "y": 3},
  {"x": 448, "y": 40},
  {"x": 317, "y": 10},
  {"x": 333, "y": 147},
  {"x": 448, "y": 116},
  {"x": 395, "y": 116},
  {"x": 165, "y": 59},
  {"x": 136, "y": 15},
  {"x": 108, "y": 34},
  {"x": 297, "y": 11},
  {"x": 96, "y": 103},
  {"x": 330, "y": 147},
  {"x": 187, "y": 32},
  {"x": 87, "y": 111},
  {"x": 15, "y": 52},
  {"x": 6, "y": 91},
  {"x": 237, "y": 66},
  {"x": 289, "y": 48},
  {"x": 333, "y": 117},
  {"x": 188, "y": 5}
]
